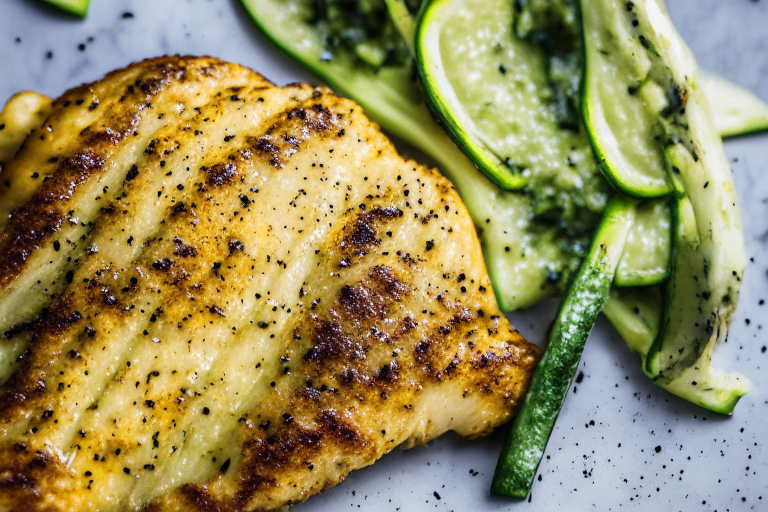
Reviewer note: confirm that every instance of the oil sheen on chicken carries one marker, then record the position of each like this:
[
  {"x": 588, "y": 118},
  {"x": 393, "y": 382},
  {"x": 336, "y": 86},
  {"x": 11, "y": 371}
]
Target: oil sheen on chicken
[{"x": 218, "y": 294}]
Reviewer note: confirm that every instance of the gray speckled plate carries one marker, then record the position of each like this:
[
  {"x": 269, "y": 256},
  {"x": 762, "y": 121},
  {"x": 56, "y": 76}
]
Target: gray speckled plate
[{"x": 620, "y": 443}]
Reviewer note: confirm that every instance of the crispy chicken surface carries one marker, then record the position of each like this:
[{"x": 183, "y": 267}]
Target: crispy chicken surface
[{"x": 218, "y": 294}]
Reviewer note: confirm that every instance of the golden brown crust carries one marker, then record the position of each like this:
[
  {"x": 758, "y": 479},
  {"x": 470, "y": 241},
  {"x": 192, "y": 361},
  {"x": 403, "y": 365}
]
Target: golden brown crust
[{"x": 234, "y": 295}]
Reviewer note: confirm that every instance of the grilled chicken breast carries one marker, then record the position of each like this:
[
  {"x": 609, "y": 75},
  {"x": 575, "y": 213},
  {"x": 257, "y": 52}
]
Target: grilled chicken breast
[{"x": 218, "y": 294}]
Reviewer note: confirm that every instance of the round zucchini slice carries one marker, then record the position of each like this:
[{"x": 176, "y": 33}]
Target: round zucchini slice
[
  {"x": 475, "y": 111},
  {"x": 623, "y": 101}
]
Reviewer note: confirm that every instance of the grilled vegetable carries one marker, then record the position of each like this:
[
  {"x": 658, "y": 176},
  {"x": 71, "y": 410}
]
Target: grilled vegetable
[
  {"x": 578, "y": 311},
  {"x": 231, "y": 298},
  {"x": 707, "y": 258},
  {"x": 635, "y": 313},
  {"x": 456, "y": 104},
  {"x": 76, "y": 7},
  {"x": 630, "y": 94}
]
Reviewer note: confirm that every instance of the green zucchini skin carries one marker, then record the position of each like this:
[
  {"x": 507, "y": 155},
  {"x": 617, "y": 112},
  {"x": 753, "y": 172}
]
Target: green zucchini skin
[
  {"x": 523, "y": 449},
  {"x": 76, "y": 7},
  {"x": 448, "y": 111}
]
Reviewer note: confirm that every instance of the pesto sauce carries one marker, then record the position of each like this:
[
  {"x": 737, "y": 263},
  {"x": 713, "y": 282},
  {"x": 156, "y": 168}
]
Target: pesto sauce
[
  {"x": 555, "y": 26},
  {"x": 355, "y": 26}
]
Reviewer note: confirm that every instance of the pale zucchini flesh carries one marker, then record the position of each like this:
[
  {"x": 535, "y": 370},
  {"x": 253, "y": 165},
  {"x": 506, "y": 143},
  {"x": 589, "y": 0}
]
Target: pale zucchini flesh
[
  {"x": 635, "y": 313},
  {"x": 478, "y": 139},
  {"x": 736, "y": 110},
  {"x": 624, "y": 95},
  {"x": 647, "y": 252},
  {"x": 493, "y": 92},
  {"x": 707, "y": 263}
]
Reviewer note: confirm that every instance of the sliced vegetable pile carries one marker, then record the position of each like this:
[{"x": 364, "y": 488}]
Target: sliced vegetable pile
[{"x": 547, "y": 105}]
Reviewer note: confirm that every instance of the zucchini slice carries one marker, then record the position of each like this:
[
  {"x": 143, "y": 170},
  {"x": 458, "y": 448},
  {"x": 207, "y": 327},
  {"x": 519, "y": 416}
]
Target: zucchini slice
[
  {"x": 473, "y": 113},
  {"x": 627, "y": 91},
  {"x": 521, "y": 260},
  {"x": 646, "y": 255},
  {"x": 582, "y": 303},
  {"x": 493, "y": 93},
  {"x": 707, "y": 257},
  {"x": 635, "y": 313},
  {"x": 736, "y": 110},
  {"x": 76, "y": 7}
]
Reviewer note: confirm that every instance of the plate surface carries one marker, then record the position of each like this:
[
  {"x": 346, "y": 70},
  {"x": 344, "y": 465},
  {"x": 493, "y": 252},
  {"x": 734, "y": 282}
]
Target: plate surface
[{"x": 620, "y": 442}]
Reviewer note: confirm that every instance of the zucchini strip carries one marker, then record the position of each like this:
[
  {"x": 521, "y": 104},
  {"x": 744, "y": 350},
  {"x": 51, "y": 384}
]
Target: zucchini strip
[
  {"x": 635, "y": 313},
  {"x": 736, "y": 110},
  {"x": 626, "y": 91},
  {"x": 707, "y": 265},
  {"x": 661, "y": 122},
  {"x": 583, "y": 301}
]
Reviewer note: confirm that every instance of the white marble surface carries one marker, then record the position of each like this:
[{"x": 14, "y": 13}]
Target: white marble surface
[{"x": 646, "y": 449}]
